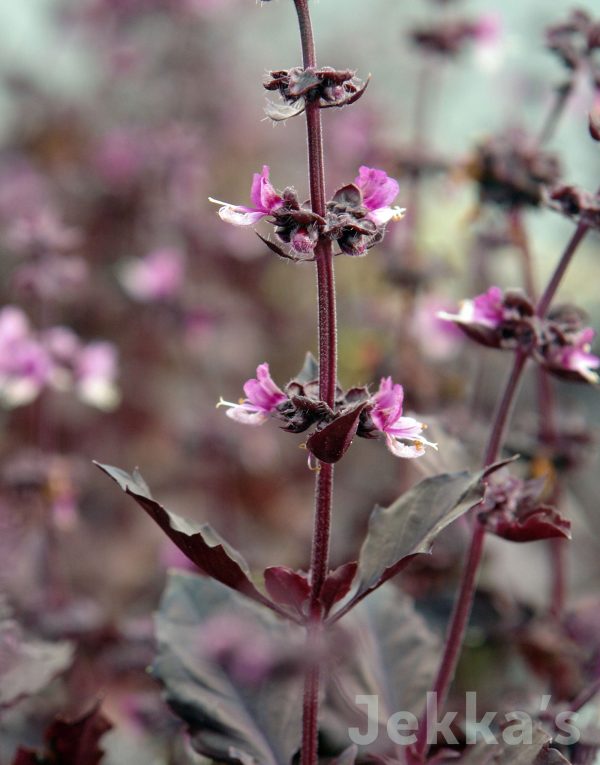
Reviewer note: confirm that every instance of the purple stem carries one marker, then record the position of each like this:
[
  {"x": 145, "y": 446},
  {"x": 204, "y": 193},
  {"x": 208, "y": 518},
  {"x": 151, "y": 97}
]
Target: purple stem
[
  {"x": 319, "y": 565},
  {"x": 563, "y": 264},
  {"x": 562, "y": 95},
  {"x": 462, "y": 609},
  {"x": 464, "y": 601}
]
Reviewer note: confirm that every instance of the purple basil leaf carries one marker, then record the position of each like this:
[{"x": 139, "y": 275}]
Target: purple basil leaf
[
  {"x": 331, "y": 442},
  {"x": 229, "y": 720},
  {"x": 199, "y": 542},
  {"x": 70, "y": 742},
  {"x": 542, "y": 523},
  {"x": 409, "y": 526},
  {"x": 393, "y": 656},
  {"x": 27, "y": 665},
  {"x": 287, "y": 586},
  {"x": 337, "y": 585}
]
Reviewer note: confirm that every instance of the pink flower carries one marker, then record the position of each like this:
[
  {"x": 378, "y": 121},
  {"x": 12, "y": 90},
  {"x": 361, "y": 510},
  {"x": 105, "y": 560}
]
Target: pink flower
[
  {"x": 403, "y": 435},
  {"x": 487, "y": 310},
  {"x": 157, "y": 276},
  {"x": 25, "y": 366},
  {"x": 439, "y": 340},
  {"x": 378, "y": 191},
  {"x": 576, "y": 357},
  {"x": 264, "y": 197},
  {"x": 262, "y": 399}
]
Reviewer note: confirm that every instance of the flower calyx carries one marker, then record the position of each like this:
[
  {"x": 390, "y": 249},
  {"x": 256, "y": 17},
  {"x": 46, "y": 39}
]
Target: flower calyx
[
  {"x": 298, "y": 86},
  {"x": 356, "y": 412}
]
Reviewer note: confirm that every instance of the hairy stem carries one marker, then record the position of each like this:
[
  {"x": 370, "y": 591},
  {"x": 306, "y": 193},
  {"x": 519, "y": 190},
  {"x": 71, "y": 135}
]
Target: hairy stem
[{"x": 319, "y": 565}]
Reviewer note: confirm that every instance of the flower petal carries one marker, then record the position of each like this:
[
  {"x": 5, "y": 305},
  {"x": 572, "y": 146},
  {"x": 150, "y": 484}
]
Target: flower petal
[
  {"x": 385, "y": 214},
  {"x": 404, "y": 450},
  {"x": 240, "y": 216},
  {"x": 247, "y": 414},
  {"x": 378, "y": 190}
]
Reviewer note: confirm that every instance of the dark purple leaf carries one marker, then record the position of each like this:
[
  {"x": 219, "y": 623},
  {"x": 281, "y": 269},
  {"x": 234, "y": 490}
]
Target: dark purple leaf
[
  {"x": 331, "y": 442},
  {"x": 544, "y": 522},
  {"x": 199, "y": 542},
  {"x": 287, "y": 586},
  {"x": 337, "y": 585},
  {"x": 409, "y": 526}
]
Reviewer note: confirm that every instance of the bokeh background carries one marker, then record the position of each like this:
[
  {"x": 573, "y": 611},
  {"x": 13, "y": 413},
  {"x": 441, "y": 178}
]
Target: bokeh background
[{"x": 118, "y": 119}]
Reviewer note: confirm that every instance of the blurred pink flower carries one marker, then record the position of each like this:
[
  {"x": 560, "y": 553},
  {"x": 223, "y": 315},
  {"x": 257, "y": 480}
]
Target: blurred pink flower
[
  {"x": 157, "y": 276},
  {"x": 404, "y": 435},
  {"x": 264, "y": 197},
  {"x": 576, "y": 356},
  {"x": 262, "y": 399},
  {"x": 25, "y": 366},
  {"x": 378, "y": 191},
  {"x": 439, "y": 340},
  {"x": 487, "y": 310},
  {"x": 90, "y": 369}
]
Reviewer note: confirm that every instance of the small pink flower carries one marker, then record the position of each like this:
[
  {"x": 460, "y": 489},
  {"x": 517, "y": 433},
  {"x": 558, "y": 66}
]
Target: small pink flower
[
  {"x": 487, "y": 310},
  {"x": 264, "y": 197},
  {"x": 403, "y": 435},
  {"x": 378, "y": 191},
  {"x": 262, "y": 399},
  {"x": 157, "y": 276},
  {"x": 577, "y": 357}
]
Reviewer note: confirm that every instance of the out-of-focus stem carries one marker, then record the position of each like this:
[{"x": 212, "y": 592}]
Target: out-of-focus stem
[
  {"x": 563, "y": 264},
  {"x": 562, "y": 95},
  {"x": 327, "y": 385},
  {"x": 462, "y": 609},
  {"x": 464, "y": 601},
  {"x": 521, "y": 241}
]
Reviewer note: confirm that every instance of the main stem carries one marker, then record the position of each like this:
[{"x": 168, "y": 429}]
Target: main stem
[{"x": 319, "y": 564}]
